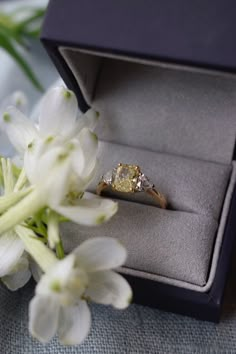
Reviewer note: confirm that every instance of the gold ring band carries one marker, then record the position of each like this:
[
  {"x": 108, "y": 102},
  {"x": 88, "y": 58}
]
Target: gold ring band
[{"x": 129, "y": 179}]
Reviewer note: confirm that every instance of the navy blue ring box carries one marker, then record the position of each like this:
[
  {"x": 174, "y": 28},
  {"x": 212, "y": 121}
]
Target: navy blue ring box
[{"x": 196, "y": 36}]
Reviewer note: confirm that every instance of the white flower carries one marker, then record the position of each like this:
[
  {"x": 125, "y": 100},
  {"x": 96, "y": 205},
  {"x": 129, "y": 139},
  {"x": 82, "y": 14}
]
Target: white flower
[
  {"x": 58, "y": 127},
  {"x": 59, "y": 120},
  {"x": 60, "y": 301},
  {"x": 18, "y": 100},
  {"x": 19, "y": 274},
  {"x": 14, "y": 264},
  {"x": 60, "y": 157}
]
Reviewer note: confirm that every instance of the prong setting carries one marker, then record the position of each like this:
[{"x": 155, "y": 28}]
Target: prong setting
[{"x": 127, "y": 179}]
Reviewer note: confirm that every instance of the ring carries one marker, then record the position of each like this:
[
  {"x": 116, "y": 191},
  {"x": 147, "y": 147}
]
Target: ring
[{"x": 129, "y": 179}]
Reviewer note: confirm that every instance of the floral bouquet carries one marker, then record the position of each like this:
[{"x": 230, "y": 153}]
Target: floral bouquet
[{"x": 44, "y": 185}]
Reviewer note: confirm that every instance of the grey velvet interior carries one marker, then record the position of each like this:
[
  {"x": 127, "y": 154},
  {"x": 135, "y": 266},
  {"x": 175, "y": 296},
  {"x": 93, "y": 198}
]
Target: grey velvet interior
[
  {"x": 178, "y": 243},
  {"x": 176, "y": 112},
  {"x": 190, "y": 185},
  {"x": 163, "y": 249},
  {"x": 163, "y": 246},
  {"x": 161, "y": 109},
  {"x": 180, "y": 128}
]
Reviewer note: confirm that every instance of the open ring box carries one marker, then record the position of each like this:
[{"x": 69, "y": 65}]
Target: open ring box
[{"x": 161, "y": 77}]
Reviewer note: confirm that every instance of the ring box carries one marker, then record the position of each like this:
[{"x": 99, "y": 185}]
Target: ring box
[{"x": 162, "y": 77}]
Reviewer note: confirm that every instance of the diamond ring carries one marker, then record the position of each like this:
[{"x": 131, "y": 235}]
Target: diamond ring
[{"x": 129, "y": 179}]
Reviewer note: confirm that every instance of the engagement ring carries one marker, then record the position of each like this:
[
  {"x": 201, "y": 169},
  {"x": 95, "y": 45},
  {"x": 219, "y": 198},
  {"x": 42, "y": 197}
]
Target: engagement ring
[{"x": 129, "y": 179}]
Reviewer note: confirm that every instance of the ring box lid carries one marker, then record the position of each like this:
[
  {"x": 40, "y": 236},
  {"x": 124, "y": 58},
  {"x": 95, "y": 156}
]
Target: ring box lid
[{"x": 197, "y": 33}]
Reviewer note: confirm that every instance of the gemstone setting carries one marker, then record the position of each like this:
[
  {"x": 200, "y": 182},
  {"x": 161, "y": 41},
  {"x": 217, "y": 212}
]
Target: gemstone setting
[
  {"x": 129, "y": 179},
  {"x": 125, "y": 178}
]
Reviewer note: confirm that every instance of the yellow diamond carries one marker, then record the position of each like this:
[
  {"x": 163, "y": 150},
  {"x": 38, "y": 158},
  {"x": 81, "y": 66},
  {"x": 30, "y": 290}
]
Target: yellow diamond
[{"x": 125, "y": 178}]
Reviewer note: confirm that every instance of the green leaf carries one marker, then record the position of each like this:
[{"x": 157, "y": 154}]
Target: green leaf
[
  {"x": 60, "y": 250},
  {"x": 6, "y": 21},
  {"x": 6, "y": 44},
  {"x": 34, "y": 33},
  {"x": 10, "y": 33},
  {"x": 13, "y": 30},
  {"x": 21, "y": 27}
]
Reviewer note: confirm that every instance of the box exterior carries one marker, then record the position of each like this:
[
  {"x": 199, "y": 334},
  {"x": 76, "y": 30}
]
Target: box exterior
[{"x": 199, "y": 34}]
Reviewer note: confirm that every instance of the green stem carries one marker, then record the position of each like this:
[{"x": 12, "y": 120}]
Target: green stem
[
  {"x": 4, "y": 172},
  {"x": 40, "y": 233},
  {"x": 53, "y": 229},
  {"x": 41, "y": 228},
  {"x": 6, "y": 201},
  {"x": 43, "y": 256},
  {"x": 10, "y": 177},
  {"x": 21, "y": 181},
  {"x": 60, "y": 250},
  {"x": 28, "y": 206}
]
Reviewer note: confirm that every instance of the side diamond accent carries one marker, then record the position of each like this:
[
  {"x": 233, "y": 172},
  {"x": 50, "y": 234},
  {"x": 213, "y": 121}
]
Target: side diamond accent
[
  {"x": 143, "y": 183},
  {"x": 107, "y": 178}
]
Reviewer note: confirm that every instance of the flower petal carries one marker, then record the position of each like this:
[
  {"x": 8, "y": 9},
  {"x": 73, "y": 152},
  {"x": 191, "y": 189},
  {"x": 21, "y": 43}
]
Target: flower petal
[
  {"x": 43, "y": 317},
  {"x": 19, "y": 276},
  {"x": 35, "y": 270},
  {"x": 89, "y": 145},
  {"x": 58, "y": 182},
  {"x": 20, "y": 130},
  {"x": 35, "y": 151},
  {"x": 31, "y": 157},
  {"x": 74, "y": 323},
  {"x": 58, "y": 112},
  {"x": 78, "y": 158},
  {"x": 81, "y": 183},
  {"x": 59, "y": 273},
  {"x": 11, "y": 249},
  {"x": 109, "y": 288},
  {"x": 18, "y": 99},
  {"x": 100, "y": 253},
  {"x": 18, "y": 280},
  {"x": 88, "y": 212},
  {"x": 89, "y": 120},
  {"x": 35, "y": 112},
  {"x": 50, "y": 172}
]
